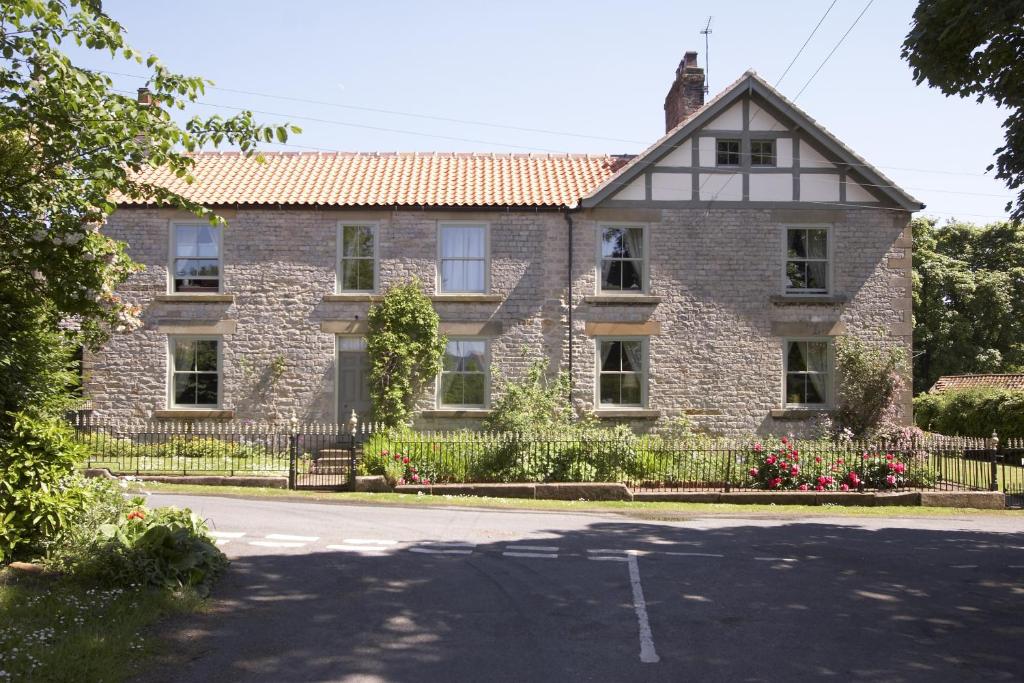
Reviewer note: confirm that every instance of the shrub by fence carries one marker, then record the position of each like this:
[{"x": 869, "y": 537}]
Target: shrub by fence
[{"x": 972, "y": 412}]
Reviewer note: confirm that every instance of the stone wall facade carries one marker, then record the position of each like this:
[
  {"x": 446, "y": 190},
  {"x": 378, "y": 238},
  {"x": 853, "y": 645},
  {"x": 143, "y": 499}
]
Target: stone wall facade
[{"x": 712, "y": 314}]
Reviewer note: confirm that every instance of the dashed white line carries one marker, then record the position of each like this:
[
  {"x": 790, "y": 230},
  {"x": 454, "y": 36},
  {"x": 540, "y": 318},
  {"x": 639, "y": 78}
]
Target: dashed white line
[
  {"x": 276, "y": 544},
  {"x": 227, "y": 534},
  {"x": 540, "y": 548},
  {"x": 290, "y": 537},
  {"x": 442, "y": 551},
  {"x": 509, "y": 553},
  {"x": 222, "y": 541},
  {"x": 606, "y": 551},
  {"x": 648, "y": 655},
  {"x": 368, "y": 541},
  {"x": 361, "y": 549},
  {"x": 693, "y": 554},
  {"x": 776, "y": 559},
  {"x": 609, "y": 558}
]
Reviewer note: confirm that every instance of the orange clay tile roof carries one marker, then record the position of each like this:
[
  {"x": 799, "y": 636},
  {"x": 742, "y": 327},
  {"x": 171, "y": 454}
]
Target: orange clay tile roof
[
  {"x": 383, "y": 179},
  {"x": 953, "y": 382}
]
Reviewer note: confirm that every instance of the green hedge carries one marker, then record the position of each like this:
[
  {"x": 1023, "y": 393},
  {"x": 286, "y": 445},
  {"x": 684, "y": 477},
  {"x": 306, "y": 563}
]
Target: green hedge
[{"x": 972, "y": 412}]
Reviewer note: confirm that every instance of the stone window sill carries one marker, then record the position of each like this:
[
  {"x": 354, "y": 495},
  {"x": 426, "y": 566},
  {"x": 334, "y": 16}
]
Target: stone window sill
[
  {"x": 467, "y": 298},
  {"x": 796, "y": 300},
  {"x": 622, "y": 300},
  {"x": 797, "y": 413},
  {"x": 627, "y": 413},
  {"x": 456, "y": 412},
  {"x": 196, "y": 414},
  {"x": 353, "y": 296},
  {"x": 196, "y": 298}
]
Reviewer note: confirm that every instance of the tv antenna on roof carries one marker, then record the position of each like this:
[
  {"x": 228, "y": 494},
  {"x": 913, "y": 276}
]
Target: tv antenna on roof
[{"x": 706, "y": 31}]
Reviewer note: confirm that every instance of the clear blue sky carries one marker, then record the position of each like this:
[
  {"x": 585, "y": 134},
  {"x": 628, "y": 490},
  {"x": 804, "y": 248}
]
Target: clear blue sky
[{"x": 590, "y": 67}]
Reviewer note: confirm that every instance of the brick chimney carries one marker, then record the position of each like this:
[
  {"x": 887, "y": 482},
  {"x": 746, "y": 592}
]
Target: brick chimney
[{"x": 687, "y": 92}]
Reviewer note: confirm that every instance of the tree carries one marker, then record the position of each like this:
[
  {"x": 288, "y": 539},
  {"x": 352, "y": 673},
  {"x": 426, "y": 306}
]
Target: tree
[
  {"x": 871, "y": 380},
  {"x": 975, "y": 48},
  {"x": 405, "y": 350},
  {"x": 968, "y": 284},
  {"x": 69, "y": 144}
]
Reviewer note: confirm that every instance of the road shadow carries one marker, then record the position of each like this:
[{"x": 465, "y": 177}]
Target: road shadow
[{"x": 797, "y": 601}]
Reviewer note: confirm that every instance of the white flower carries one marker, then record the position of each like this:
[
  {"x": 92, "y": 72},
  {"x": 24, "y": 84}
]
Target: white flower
[
  {"x": 88, "y": 256},
  {"x": 38, "y": 276}
]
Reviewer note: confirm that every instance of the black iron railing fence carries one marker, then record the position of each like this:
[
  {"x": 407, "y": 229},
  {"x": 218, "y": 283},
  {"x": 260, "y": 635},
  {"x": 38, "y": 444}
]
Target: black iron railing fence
[{"x": 317, "y": 454}]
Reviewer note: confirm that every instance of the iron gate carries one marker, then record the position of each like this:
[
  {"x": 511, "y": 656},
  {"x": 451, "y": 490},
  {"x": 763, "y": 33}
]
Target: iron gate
[{"x": 323, "y": 456}]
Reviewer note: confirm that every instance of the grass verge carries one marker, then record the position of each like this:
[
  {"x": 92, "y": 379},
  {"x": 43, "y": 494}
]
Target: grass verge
[
  {"x": 58, "y": 629},
  {"x": 641, "y": 509}
]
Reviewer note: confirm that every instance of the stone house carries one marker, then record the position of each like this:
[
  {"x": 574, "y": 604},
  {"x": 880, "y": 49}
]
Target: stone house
[{"x": 707, "y": 276}]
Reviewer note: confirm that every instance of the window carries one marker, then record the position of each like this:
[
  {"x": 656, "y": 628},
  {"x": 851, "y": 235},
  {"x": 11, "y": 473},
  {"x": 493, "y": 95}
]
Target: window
[
  {"x": 728, "y": 152},
  {"x": 621, "y": 372},
  {"x": 357, "y": 267},
  {"x": 464, "y": 374},
  {"x": 195, "y": 248},
  {"x": 807, "y": 372},
  {"x": 807, "y": 261},
  {"x": 463, "y": 266},
  {"x": 762, "y": 152},
  {"x": 195, "y": 372},
  {"x": 622, "y": 259}
]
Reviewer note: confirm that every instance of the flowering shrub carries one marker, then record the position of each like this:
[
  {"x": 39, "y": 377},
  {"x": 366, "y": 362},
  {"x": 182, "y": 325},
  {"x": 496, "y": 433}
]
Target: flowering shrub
[{"x": 780, "y": 466}]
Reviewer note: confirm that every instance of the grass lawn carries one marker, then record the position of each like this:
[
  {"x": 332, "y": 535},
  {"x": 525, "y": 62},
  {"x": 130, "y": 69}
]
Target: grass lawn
[
  {"x": 56, "y": 629},
  {"x": 642, "y": 509}
]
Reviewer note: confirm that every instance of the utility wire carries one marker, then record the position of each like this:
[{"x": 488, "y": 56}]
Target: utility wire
[
  {"x": 834, "y": 48},
  {"x": 801, "y": 50}
]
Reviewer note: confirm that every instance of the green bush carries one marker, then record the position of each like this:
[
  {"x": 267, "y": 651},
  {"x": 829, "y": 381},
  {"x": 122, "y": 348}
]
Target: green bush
[
  {"x": 972, "y": 412},
  {"x": 79, "y": 542},
  {"x": 38, "y": 490}
]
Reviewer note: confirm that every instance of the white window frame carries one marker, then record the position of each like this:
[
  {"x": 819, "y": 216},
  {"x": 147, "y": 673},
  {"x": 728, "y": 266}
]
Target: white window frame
[
  {"x": 340, "y": 233},
  {"x": 172, "y": 250},
  {"x": 172, "y": 340},
  {"x": 438, "y": 395},
  {"x": 830, "y": 374},
  {"x": 645, "y": 350},
  {"x": 487, "y": 255},
  {"x": 829, "y": 267},
  {"x": 646, "y": 260}
]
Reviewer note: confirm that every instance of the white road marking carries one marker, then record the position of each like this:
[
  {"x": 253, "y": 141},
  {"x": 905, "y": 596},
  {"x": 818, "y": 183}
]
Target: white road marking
[
  {"x": 1015, "y": 566},
  {"x": 361, "y": 549},
  {"x": 449, "y": 544},
  {"x": 606, "y": 551},
  {"x": 442, "y": 551},
  {"x": 276, "y": 544},
  {"x": 612, "y": 558},
  {"x": 541, "y": 548},
  {"x": 289, "y": 537},
  {"x": 222, "y": 541},
  {"x": 694, "y": 554},
  {"x": 648, "y": 655},
  {"x": 367, "y": 541},
  {"x": 776, "y": 559},
  {"x": 963, "y": 566},
  {"x": 508, "y": 553},
  {"x": 227, "y": 534}
]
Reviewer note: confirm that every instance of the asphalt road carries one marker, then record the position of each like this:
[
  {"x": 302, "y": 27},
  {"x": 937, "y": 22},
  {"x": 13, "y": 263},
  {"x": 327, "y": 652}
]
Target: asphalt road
[{"x": 320, "y": 592}]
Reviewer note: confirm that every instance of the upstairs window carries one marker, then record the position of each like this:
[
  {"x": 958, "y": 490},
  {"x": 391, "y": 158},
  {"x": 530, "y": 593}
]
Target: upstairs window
[
  {"x": 807, "y": 261},
  {"x": 196, "y": 258},
  {"x": 621, "y": 373},
  {"x": 727, "y": 152},
  {"x": 464, "y": 374},
  {"x": 463, "y": 259},
  {"x": 623, "y": 259},
  {"x": 358, "y": 266},
  {"x": 195, "y": 372},
  {"x": 808, "y": 373},
  {"x": 762, "y": 152}
]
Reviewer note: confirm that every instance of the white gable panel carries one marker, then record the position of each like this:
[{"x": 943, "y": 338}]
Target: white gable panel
[
  {"x": 809, "y": 157},
  {"x": 784, "y": 152},
  {"x": 730, "y": 119},
  {"x": 771, "y": 187},
  {"x": 855, "y": 192},
  {"x": 762, "y": 120},
  {"x": 819, "y": 187},
  {"x": 635, "y": 190},
  {"x": 706, "y": 151},
  {"x": 724, "y": 187},
  {"x": 680, "y": 156},
  {"x": 671, "y": 187}
]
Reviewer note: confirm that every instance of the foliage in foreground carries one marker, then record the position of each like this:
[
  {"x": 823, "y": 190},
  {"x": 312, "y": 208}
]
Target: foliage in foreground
[
  {"x": 871, "y": 380},
  {"x": 64, "y": 629},
  {"x": 972, "y": 412}
]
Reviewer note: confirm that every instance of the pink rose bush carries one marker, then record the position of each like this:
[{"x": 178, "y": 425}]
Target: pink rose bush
[{"x": 780, "y": 466}]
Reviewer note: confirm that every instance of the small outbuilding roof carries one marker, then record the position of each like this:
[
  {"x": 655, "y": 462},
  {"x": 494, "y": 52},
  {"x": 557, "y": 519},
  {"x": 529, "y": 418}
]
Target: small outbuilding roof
[{"x": 1013, "y": 380}]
